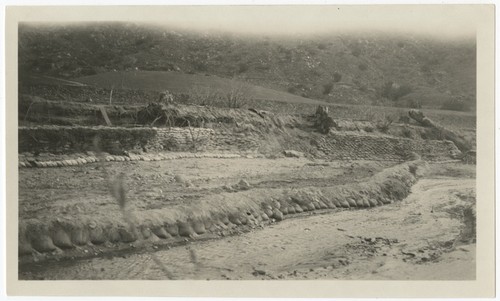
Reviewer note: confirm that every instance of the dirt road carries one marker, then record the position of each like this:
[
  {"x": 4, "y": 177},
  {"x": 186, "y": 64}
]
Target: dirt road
[{"x": 429, "y": 235}]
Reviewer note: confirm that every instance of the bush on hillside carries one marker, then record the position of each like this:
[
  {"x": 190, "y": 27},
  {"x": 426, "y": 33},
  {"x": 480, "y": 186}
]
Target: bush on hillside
[
  {"x": 321, "y": 46},
  {"x": 407, "y": 132},
  {"x": 455, "y": 105},
  {"x": 327, "y": 88},
  {"x": 425, "y": 68},
  {"x": 237, "y": 97},
  {"x": 242, "y": 67},
  {"x": 356, "y": 51},
  {"x": 402, "y": 91},
  {"x": 414, "y": 103},
  {"x": 394, "y": 91},
  {"x": 200, "y": 66},
  {"x": 384, "y": 123},
  {"x": 337, "y": 77}
]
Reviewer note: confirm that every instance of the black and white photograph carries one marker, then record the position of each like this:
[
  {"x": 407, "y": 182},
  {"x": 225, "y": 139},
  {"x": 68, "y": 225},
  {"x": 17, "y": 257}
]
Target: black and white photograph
[{"x": 269, "y": 143}]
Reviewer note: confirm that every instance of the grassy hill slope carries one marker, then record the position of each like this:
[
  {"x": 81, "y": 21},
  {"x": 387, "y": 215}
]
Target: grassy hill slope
[
  {"x": 362, "y": 69},
  {"x": 180, "y": 83}
]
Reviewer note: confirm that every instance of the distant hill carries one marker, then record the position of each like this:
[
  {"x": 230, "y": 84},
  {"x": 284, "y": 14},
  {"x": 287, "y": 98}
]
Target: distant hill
[{"x": 363, "y": 69}]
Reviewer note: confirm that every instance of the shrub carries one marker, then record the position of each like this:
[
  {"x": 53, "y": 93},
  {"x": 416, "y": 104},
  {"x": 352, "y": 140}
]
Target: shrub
[
  {"x": 402, "y": 91},
  {"x": 455, "y": 105},
  {"x": 337, "y": 77},
  {"x": 393, "y": 91},
  {"x": 406, "y": 132},
  {"x": 200, "y": 66},
  {"x": 368, "y": 129},
  {"x": 327, "y": 88},
  {"x": 356, "y": 51},
  {"x": 88, "y": 71},
  {"x": 237, "y": 96},
  {"x": 203, "y": 96},
  {"x": 362, "y": 66},
  {"x": 425, "y": 68},
  {"x": 242, "y": 67},
  {"x": 404, "y": 119},
  {"x": 322, "y": 46},
  {"x": 384, "y": 123},
  {"x": 385, "y": 89},
  {"x": 414, "y": 104}
]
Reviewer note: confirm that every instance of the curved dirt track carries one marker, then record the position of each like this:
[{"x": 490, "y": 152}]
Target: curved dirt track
[{"x": 425, "y": 237}]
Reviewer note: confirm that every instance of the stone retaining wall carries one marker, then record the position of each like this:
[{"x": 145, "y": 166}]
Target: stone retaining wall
[
  {"x": 73, "y": 139},
  {"x": 117, "y": 140},
  {"x": 203, "y": 139},
  {"x": 354, "y": 146}
]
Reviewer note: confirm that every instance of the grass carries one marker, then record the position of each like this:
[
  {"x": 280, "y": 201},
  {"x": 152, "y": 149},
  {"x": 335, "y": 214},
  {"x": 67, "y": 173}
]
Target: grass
[{"x": 181, "y": 83}]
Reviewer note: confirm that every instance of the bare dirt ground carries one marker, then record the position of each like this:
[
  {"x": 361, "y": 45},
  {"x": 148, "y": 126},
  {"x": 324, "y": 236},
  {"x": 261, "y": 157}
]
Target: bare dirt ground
[
  {"x": 428, "y": 236},
  {"x": 67, "y": 191}
]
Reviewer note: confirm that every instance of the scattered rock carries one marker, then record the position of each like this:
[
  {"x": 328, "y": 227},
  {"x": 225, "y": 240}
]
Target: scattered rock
[
  {"x": 180, "y": 179},
  {"x": 292, "y": 154},
  {"x": 257, "y": 272},
  {"x": 242, "y": 185}
]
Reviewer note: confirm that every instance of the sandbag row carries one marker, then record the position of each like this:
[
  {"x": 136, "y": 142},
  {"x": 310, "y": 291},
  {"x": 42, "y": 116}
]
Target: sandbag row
[
  {"x": 58, "y": 234},
  {"x": 80, "y": 160}
]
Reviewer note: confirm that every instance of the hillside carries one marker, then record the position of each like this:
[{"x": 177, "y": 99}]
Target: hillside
[
  {"x": 389, "y": 70},
  {"x": 181, "y": 83}
]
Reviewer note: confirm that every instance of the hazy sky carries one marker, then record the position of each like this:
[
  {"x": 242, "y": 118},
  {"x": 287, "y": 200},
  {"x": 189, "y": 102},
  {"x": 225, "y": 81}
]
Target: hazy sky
[{"x": 447, "y": 21}]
